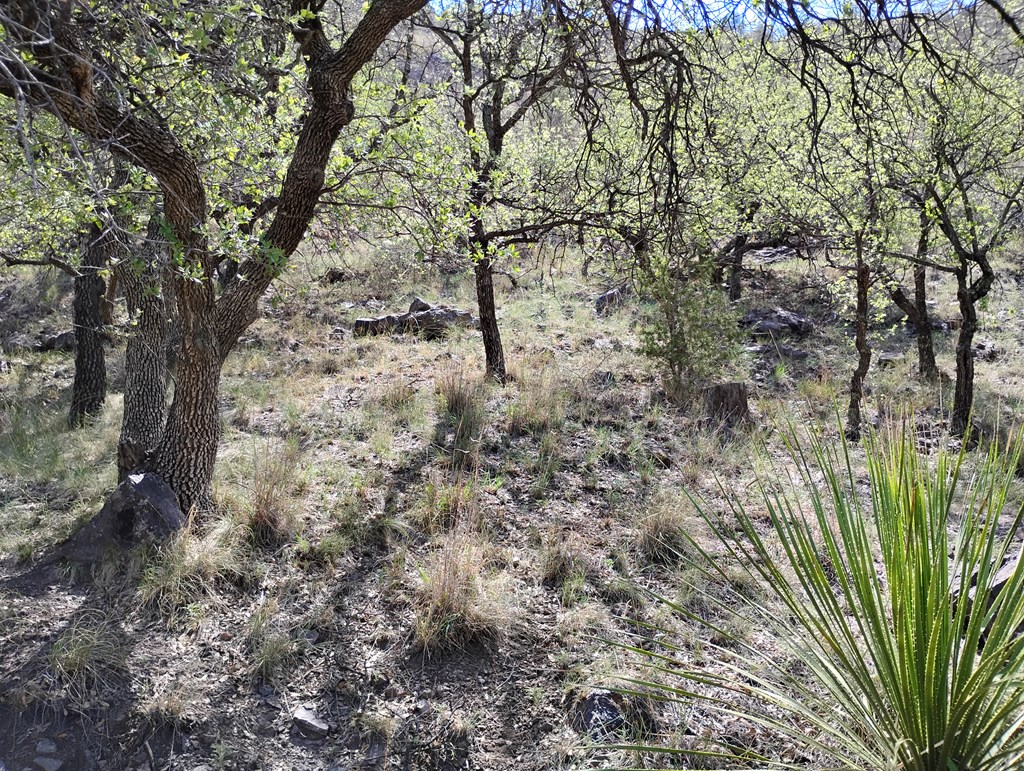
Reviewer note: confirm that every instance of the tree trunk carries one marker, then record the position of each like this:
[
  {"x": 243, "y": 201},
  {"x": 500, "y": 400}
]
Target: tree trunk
[
  {"x": 736, "y": 274},
  {"x": 917, "y": 311},
  {"x": 187, "y": 452},
  {"x": 489, "y": 319},
  {"x": 927, "y": 368},
  {"x": 145, "y": 385},
  {"x": 853, "y": 420},
  {"x": 90, "y": 386},
  {"x": 963, "y": 395}
]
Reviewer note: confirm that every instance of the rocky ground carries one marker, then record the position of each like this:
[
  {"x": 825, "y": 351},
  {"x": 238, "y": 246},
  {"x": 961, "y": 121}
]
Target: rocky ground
[{"x": 323, "y": 646}]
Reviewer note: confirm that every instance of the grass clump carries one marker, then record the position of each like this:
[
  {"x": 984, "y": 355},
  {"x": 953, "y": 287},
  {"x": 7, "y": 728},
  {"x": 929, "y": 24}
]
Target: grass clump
[
  {"x": 187, "y": 568},
  {"x": 269, "y": 643},
  {"x": 272, "y": 514},
  {"x": 447, "y": 504},
  {"x": 453, "y": 606},
  {"x": 463, "y": 409},
  {"x": 897, "y": 673},
  {"x": 539, "y": 404},
  {"x": 88, "y": 650},
  {"x": 661, "y": 532}
]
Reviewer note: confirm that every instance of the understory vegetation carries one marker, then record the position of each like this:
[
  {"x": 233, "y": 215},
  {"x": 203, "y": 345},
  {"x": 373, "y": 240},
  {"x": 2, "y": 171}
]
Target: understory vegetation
[{"x": 483, "y": 385}]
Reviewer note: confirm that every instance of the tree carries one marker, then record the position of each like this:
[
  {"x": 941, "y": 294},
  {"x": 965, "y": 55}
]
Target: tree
[
  {"x": 46, "y": 65},
  {"x": 508, "y": 61}
]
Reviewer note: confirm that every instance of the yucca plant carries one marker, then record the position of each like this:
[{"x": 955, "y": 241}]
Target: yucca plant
[{"x": 898, "y": 672}]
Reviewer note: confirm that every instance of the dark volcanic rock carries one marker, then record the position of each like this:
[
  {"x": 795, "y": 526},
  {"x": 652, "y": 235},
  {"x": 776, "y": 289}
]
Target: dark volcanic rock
[
  {"x": 776, "y": 321},
  {"x": 610, "y": 299},
  {"x": 431, "y": 322},
  {"x": 143, "y": 509},
  {"x": 64, "y": 341}
]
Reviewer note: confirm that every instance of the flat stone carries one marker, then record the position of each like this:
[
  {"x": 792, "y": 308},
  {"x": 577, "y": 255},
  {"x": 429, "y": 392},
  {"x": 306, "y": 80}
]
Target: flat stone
[
  {"x": 49, "y": 764},
  {"x": 46, "y": 747},
  {"x": 307, "y": 722}
]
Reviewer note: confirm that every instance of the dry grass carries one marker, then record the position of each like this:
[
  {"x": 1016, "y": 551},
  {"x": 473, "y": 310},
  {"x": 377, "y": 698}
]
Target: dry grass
[
  {"x": 463, "y": 400},
  {"x": 272, "y": 513},
  {"x": 449, "y": 504},
  {"x": 268, "y": 640},
  {"x": 540, "y": 398},
  {"x": 661, "y": 531},
  {"x": 454, "y": 605},
  {"x": 86, "y": 653},
  {"x": 188, "y": 567}
]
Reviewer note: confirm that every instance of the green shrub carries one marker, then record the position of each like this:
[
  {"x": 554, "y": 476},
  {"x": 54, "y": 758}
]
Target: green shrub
[
  {"x": 895, "y": 673},
  {"x": 691, "y": 329}
]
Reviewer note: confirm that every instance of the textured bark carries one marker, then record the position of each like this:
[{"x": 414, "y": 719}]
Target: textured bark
[
  {"x": 90, "y": 387},
  {"x": 963, "y": 392},
  {"x": 917, "y": 311},
  {"x": 145, "y": 386},
  {"x": 853, "y": 418},
  {"x": 736, "y": 275},
  {"x": 187, "y": 452},
  {"x": 493, "y": 350}
]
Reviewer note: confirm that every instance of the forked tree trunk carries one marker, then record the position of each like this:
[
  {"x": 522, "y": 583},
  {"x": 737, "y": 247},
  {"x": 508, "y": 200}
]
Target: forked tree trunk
[
  {"x": 210, "y": 327},
  {"x": 90, "y": 386},
  {"x": 853, "y": 419},
  {"x": 145, "y": 385},
  {"x": 917, "y": 311},
  {"x": 963, "y": 394},
  {"x": 493, "y": 350}
]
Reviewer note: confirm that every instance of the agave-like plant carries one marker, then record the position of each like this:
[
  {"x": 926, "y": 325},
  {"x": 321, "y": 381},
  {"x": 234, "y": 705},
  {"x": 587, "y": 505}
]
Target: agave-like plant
[{"x": 900, "y": 671}]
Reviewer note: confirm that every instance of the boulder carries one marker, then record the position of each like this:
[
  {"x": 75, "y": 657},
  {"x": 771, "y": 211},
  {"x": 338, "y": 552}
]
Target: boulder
[
  {"x": 309, "y": 724},
  {"x": 776, "y": 321},
  {"x": 611, "y": 299},
  {"x": 430, "y": 322},
  {"x": 64, "y": 341},
  {"x": 142, "y": 509}
]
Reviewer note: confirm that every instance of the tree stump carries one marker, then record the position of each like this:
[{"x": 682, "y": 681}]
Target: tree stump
[{"x": 726, "y": 403}]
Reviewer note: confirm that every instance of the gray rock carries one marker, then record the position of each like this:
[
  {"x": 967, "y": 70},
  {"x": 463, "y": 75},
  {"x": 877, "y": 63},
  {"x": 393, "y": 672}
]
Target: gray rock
[
  {"x": 46, "y": 747},
  {"x": 985, "y": 350},
  {"x": 49, "y": 764},
  {"x": 308, "y": 723},
  {"x": 784, "y": 351},
  {"x": 430, "y": 322},
  {"x": 776, "y": 321},
  {"x": 419, "y": 305},
  {"x": 64, "y": 341},
  {"x": 608, "y": 716},
  {"x": 611, "y": 299},
  {"x": 600, "y": 715},
  {"x": 143, "y": 509}
]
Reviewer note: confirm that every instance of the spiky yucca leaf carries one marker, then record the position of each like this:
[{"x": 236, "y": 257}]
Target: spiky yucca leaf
[{"x": 899, "y": 674}]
